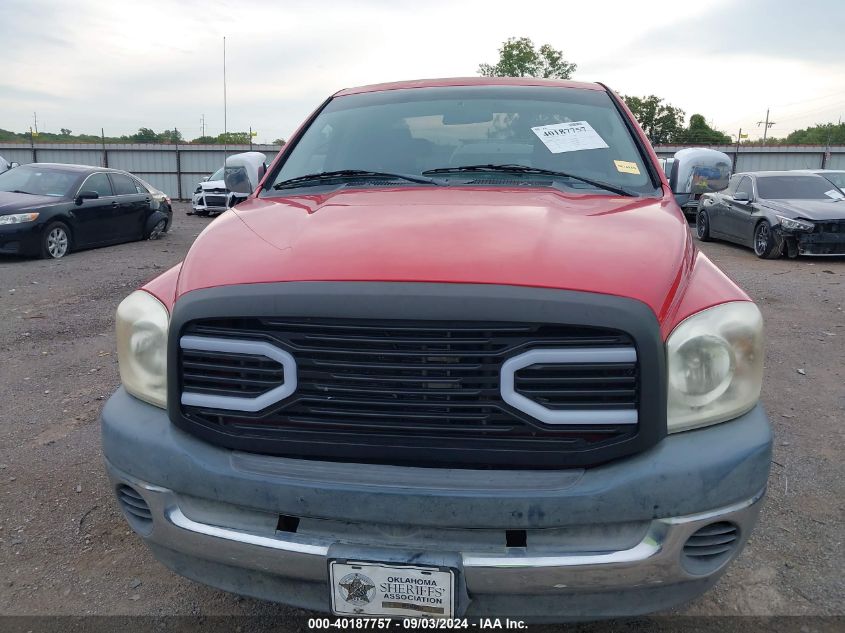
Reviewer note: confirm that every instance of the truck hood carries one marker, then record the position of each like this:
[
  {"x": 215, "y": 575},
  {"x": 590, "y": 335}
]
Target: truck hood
[
  {"x": 809, "y": 209},
  {"x": 23, "y": 202},
  {"x": 633, "y": 247}
]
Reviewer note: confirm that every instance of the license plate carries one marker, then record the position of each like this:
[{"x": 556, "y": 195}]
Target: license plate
[{"x": 376, "y": 589}]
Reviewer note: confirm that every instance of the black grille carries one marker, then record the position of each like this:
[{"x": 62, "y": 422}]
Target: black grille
[
  {"x": 226, "y": 374},
  {"x": 215, "y": 201},
  {"x": 827, "y": 238},
  {"x": 830, "y": 226},
  {"x": 378, "y": 387},
  {"x": 580, "y": 385}
]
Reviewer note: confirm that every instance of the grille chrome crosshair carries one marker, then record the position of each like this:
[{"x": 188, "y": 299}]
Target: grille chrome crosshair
[
  {"x": 566, "y": 358},
  {"x": 282, "y": 390}
]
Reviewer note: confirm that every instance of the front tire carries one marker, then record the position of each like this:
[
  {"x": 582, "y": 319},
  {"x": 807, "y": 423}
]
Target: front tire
[
  {"x": 55, "y": 241},
  {"x": 702, "y": 225},
  {"x": 765, "y": 243},
  {"x": 158, "y": 230}
]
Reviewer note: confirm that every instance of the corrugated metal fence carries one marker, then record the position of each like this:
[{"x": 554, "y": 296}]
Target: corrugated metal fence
[
  {"x": 756, "y": 158},
  {"x": 176, "y": 169}
]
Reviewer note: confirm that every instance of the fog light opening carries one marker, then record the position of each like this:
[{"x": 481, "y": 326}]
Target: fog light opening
[
  {"x": 135, "y": 509},
  {"x": 710, "y": 547}
]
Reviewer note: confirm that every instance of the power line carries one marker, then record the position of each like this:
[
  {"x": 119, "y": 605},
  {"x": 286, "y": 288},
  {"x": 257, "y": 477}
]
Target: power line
[
  {"x": 791, "y": 117},
  {"x": 833, "y": 94},
  {"x": 806, "y": 113}
]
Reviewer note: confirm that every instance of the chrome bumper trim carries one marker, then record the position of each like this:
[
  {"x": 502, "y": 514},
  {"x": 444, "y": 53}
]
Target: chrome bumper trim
[
  {"x": 655, "y": 560},
  {"x": 175, "y": 516}
]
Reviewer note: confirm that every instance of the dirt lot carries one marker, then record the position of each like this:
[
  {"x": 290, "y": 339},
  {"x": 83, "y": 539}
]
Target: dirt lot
[{"x": 65, "y": 549}]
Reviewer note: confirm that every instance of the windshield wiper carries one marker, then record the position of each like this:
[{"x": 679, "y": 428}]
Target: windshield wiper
[
  {"x": 29, "y": 193},
  {"x": 524, "y": 169},
  {"x": 352, "y": 174}
]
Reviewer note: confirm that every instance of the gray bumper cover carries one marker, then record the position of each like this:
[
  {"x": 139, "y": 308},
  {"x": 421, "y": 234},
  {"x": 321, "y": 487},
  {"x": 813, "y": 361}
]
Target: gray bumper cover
[{"x": 214, "y": 510}]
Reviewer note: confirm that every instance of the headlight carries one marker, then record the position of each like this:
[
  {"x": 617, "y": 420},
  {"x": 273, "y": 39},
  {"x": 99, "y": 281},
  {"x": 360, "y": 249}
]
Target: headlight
[
  {"x": 18, "y": 218},
  {"x": 795, "y": 225},
  {"x": 142, "y": 347},
  {"x": 715, "y": 365},
  {"x": 198, "y": 189}
]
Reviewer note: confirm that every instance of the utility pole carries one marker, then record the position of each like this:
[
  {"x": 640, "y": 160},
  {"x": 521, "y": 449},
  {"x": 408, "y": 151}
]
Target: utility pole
[
  {"x": 767, "y": 126},
  {"x": 250, "y": 138},
  {"x": 35, "y": 119},
  {"x": 736, "y": 151},
  {"x": 202, "y": 123},
  {"x": 178, "y": 164},
  {"x": 826, "y": 155}
]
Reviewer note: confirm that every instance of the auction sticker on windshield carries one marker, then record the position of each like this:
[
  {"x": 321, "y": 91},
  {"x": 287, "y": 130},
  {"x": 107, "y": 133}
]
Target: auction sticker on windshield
[
  {"x": 376, "y": 589},
  {"x": 569, "y": 137},
  {"x": 627, "y": 167}
]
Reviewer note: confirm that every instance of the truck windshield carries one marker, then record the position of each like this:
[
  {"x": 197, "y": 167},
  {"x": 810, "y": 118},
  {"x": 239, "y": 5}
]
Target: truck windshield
[{"x": 438, "y": 131}]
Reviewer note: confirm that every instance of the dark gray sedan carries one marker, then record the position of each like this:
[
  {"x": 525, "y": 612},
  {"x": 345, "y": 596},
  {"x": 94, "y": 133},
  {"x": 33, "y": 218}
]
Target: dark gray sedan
[{"x": 776, "y": 213}]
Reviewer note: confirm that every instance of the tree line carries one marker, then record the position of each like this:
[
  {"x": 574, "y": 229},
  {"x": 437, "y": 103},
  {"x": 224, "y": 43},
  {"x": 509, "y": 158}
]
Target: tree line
[
  {"x": 143, "y": 135},
  {"x": 663, "y": 123}
]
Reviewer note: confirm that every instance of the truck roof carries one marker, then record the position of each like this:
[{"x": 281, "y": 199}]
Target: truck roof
[{"x": 470, "y": 81}]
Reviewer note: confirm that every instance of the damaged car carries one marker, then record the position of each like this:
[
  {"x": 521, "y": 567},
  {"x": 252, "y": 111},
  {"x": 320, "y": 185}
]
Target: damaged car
[
  {"x": 213, "y": 195},
  {"x": 776, "y": 213}
]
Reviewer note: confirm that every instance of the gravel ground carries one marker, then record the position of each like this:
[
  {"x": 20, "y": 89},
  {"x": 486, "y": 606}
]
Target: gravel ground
[{"x": 65, "y": 548}]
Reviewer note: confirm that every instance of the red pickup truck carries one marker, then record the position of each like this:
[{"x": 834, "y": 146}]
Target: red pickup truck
[{"x": 456, "y": 355}]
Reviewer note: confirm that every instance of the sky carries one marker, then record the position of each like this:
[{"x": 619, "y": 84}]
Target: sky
[{"x": 119, "y": 65}]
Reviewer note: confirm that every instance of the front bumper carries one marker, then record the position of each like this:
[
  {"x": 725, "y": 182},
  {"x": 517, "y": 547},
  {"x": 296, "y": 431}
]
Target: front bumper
[
  {"x": 820, "y": 243},
  {"x": 20, "y": 239},
  {"x": 605, "y": 541},
  {"x": 198, "y": 204}
]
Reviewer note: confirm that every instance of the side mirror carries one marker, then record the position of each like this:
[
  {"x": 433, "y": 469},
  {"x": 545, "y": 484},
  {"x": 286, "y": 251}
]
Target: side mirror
[
  {"x": 205, "y": 179},
  {"x": 741, "y": 196},
  {"x": 86, "y": 195},
  {"x": 244, "y": 171},
  {"x": 13, "y": 165},
  {"x": 695, "y": 171}
]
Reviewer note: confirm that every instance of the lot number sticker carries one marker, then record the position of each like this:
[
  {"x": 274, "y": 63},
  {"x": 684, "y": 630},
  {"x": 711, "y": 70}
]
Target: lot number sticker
[{"x": 569, "y": 137}]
